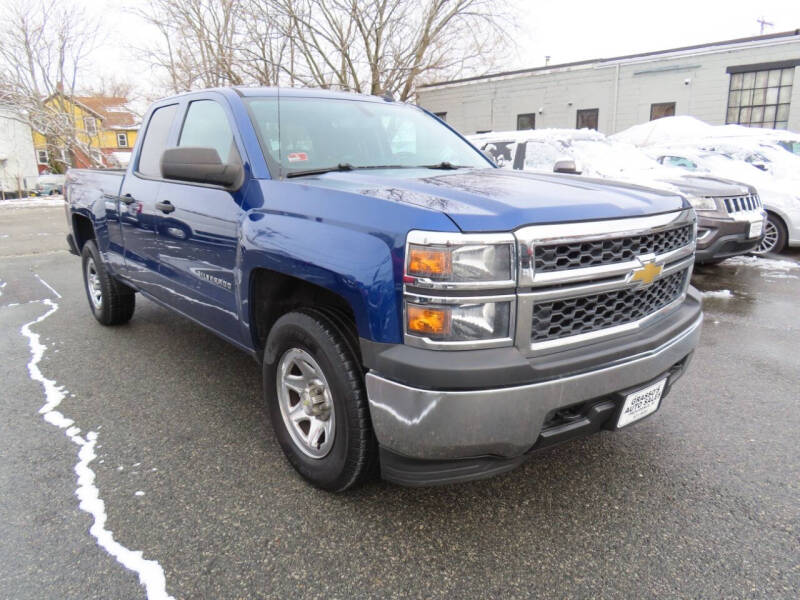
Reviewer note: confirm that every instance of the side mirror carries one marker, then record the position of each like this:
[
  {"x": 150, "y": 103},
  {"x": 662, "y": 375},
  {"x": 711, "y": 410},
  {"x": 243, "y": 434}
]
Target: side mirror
[
  {"x": 200, "y": 165},
  {"x": 566, "y": 165},
  {"x": 760, "y": 165}
]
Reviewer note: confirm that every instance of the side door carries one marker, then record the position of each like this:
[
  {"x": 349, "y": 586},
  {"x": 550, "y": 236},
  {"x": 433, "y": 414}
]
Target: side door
[
  {"x": 137, "y": 200},
  {"x": 197, "y": 227}
]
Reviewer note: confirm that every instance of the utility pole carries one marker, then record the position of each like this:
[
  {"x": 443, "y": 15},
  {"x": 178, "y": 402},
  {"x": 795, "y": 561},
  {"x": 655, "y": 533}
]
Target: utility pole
[{"x": 763, "y": 23}]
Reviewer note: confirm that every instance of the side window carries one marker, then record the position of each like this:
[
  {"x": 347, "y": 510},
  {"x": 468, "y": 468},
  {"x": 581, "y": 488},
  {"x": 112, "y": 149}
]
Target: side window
[
  {"x": 678, "y": 161},
  {"x": 155, "y": 140},
  {"x": 206, "y": 126}
]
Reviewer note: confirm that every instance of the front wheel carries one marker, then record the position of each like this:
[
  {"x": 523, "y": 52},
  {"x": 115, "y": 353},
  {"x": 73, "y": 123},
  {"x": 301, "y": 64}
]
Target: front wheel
[
  {"x": 774, "y": 239},
  {"x": 314, "y": 389},
  {"x": 111, "y": 302}
]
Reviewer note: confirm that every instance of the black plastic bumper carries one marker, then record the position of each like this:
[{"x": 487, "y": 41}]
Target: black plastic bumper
[{"x": 723, "y": 239}]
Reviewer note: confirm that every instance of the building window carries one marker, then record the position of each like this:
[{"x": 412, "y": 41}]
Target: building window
[
  {"x": 760, "y": 98},
  {"x": 526, "y": 121},
  {"x": 41, "y": 157},
  {"x": 122, "y": 140},
  {"x": 441, "y": 115},
  {"x": 662, "y": 109},
  {"x": 587, "y": 118},
  {"x": 90, "y": 125}
]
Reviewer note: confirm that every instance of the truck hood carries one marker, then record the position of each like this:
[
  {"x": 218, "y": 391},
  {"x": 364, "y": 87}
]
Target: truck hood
[{"x": 500, "y": 200}]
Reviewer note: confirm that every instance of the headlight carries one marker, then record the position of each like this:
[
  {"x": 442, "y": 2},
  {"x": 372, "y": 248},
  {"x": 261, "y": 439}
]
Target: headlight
[
  {"x": 449, "y": 261},
  {"x": 438, "y": 321},
  {"x": 471, "y": 264},
  {"x": 700, "y": 203}
]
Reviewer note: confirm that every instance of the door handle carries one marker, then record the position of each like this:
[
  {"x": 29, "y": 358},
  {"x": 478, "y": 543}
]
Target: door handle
[
  {"x": 165, "y": 206},
  {"x": 127, "y": 199}
]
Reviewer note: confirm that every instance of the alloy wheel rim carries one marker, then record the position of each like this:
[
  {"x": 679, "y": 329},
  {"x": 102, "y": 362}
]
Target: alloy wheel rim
[
  {"x": 93, "y": 284},
  {"x": 770, "y": 238},
  {"x": 306, "y": 404}
]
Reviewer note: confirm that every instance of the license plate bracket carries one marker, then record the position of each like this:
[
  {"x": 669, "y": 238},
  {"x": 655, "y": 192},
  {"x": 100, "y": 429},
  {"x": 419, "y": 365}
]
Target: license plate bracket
[
  {"x": 641, "y": 403},
  {"x": 755, "y": 229}
]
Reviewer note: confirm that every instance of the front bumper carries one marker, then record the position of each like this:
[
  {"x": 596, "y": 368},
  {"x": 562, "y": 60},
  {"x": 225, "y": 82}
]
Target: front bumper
[
  {"x": 722, "y": 238},
  {"x": 441, "y": 425}
]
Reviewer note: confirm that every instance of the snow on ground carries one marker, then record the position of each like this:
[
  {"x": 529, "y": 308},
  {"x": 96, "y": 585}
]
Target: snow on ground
[
  {"x": 33, "y": 202},
  {"x": 151, "y": 575},
  {"x": 722, "y": 294},
  {"x": 771, "y": 268}
]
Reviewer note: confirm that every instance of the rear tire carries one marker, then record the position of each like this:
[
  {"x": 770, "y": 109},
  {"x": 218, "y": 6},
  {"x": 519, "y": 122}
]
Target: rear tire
[
  {"x": 314, "y": 390},
  {"x": 775, "y": 236},
  {"x": 111, "y": 302}
]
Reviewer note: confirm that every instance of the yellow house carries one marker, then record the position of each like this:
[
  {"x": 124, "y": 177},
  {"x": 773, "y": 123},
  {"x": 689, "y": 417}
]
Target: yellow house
[{"x": 105, "y": 132}]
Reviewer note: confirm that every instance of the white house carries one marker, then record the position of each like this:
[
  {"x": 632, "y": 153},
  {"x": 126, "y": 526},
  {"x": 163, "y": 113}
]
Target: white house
[
  {"x": 752, "y": 81},
  {"x": 18, "y": 171}
]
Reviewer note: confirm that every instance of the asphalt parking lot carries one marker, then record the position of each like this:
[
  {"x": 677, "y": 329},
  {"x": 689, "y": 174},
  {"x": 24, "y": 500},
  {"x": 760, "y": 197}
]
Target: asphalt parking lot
[{"x": 700, "y": 501}]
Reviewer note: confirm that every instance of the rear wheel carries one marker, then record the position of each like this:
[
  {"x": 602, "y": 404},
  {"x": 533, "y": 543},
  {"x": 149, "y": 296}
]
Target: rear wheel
[
  {"x": 774, "y": 236},
  {"x": 111, "y": 302},
  {"x": 314, "y": 389}
]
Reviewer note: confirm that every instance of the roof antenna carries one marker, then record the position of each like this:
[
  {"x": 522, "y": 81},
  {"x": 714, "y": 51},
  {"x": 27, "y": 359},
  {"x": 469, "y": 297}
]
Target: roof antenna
[{"x": 388, "y": 96}]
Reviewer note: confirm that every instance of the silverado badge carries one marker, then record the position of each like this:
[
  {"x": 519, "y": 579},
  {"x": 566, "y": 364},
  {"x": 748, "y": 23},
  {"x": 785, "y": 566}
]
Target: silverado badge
[{"x": 646, "y": 273}]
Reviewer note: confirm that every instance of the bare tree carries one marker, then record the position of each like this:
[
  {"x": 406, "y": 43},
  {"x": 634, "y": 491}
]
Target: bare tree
[
  {"x": 44, "y": 47},
  {"x": 199, "y": 41},
  {"x": 370, "y": 46},
  {"x": 388, "y": 46}
]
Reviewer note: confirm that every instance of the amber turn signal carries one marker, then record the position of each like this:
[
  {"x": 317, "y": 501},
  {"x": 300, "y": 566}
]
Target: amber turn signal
[
  {"x": 429, "y": 262},
  {"x": 428, "y": 321}
]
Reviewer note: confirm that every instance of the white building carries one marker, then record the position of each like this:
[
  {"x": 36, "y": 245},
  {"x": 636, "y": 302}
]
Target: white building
[
  {"x": 18, "y": 170},
  {"x": 748, "y": 81}
]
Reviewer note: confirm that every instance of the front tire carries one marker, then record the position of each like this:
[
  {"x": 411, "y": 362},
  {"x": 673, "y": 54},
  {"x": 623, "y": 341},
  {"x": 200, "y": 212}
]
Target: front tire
[
  {"x": 111, "y": 302},
  {"x": 314, "y": 390}
]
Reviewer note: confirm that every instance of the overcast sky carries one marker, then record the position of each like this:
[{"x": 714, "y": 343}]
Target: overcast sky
[{"x": 566, "y": 30}]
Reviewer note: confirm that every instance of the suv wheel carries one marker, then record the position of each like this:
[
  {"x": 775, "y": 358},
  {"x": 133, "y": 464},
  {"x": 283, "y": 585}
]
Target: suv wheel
[
  {"x": 111, "y": 302},
  {"x": 314, "y": 389}
]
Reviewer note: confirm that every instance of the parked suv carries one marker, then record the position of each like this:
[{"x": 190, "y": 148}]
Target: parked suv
[{"x": 730, "y": 217}]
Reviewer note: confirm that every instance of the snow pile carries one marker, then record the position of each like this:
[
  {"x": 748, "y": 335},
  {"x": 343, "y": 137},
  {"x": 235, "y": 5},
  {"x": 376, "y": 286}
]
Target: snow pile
[
  {"x": 33, "y": 202},
  {"x": 665, "y": 131},
  {"x": 720, "y": 294}
]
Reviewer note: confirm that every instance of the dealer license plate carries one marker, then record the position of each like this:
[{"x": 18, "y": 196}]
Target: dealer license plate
[
  {"x": 756, "y": 229},
  {"x": 642, "y": 403}
]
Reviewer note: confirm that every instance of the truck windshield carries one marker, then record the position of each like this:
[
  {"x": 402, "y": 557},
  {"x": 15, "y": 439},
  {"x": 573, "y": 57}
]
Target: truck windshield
[{"x": 318, "y": 134}]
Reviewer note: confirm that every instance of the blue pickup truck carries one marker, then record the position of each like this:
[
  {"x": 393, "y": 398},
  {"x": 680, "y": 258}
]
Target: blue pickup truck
[{"x": 417, "y": 312}]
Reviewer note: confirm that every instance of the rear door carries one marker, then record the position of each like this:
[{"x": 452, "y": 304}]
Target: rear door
[
  {"x": 197, "y": 226},
  {"x": 137, "y": 200}
]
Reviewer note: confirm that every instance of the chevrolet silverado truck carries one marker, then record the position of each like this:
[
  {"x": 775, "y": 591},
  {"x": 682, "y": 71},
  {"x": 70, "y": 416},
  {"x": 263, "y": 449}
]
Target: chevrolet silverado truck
[{"x": 418, "y": 313}]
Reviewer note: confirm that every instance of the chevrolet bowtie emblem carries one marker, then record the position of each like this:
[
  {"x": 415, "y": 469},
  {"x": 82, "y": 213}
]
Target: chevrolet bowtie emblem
[{"x": 647, "y": 273}]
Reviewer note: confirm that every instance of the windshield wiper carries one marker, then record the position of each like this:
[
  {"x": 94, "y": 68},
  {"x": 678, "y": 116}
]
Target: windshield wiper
[
  {"x": 445, "y": 165},
  {"x": 344, "y": 167},
  {"x": 339, "y": 167}
]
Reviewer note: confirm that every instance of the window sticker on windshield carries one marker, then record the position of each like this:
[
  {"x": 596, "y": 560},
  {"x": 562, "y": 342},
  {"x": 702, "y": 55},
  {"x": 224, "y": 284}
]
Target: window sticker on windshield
[{"x": 297, "y": 156}]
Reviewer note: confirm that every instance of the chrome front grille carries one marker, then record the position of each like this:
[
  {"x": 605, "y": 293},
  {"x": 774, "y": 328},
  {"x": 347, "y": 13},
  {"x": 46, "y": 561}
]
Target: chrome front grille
[
  {"x": 583, "y": 282},
  {"x": 736, "y": 204},
  {"x": 562, "y": 257},
  {"x": 573, "y": 316}
]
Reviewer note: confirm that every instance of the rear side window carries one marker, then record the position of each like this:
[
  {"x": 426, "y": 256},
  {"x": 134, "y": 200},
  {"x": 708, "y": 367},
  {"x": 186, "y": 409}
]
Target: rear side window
[
  {"x": 155, "y": 140},
  {"x": 207, "y": 126}
]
